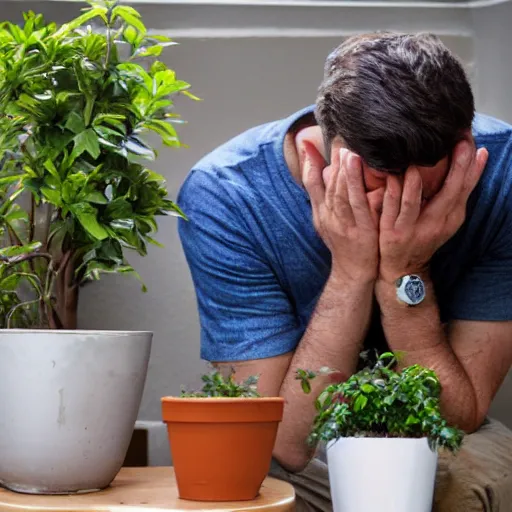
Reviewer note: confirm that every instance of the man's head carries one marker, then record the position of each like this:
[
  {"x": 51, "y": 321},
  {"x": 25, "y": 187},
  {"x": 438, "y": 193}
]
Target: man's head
[{"x": 396, "y": 100}]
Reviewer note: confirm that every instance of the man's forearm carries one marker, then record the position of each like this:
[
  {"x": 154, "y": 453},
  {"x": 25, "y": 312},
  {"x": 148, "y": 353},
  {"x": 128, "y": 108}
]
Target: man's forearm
[
  {"x": 418, "y": 333},
  {"x": 333, "y": 339}
]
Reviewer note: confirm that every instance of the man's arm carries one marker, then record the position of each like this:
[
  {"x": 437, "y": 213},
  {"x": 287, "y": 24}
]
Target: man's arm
[
  {"x": 335, "y": 334},
  {"x": 470, "y": 369},
  {"x": 333, "y": 339},
  {"x": 471, "y": 359}
]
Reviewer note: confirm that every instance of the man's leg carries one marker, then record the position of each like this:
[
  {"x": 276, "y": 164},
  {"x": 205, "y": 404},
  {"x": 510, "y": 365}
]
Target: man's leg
[
  {"x": 311, "y": 486},
  {"x": 477, "y": 479}
]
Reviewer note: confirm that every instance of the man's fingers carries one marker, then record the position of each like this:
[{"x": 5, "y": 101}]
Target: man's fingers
[
  {"x": 391, "y": 203},
  {"x": 479, "y": 163},
  {"x": 356, "y": 189},
  {"x": 312, "y": 169},
  {"x": 410, "y": 205},
  {"x": 340, "y": 199},
  {"x": 375, "y": 200},
  {"x": 453, "y": 187}
]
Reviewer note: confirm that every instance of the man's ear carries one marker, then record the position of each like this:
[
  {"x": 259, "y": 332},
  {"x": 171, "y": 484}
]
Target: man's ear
[{"x": 312, "y": 135}]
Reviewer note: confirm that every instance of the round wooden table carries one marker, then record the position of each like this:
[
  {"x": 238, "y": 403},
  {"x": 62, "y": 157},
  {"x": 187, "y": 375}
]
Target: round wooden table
[{"x": 146, "y": 489}]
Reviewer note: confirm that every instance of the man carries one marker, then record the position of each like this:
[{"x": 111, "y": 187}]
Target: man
[{"x": 304, "y": 232}]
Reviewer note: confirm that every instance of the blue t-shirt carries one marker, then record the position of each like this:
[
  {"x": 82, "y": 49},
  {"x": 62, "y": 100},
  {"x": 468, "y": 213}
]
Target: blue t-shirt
[{"x": 259, "y": 266}]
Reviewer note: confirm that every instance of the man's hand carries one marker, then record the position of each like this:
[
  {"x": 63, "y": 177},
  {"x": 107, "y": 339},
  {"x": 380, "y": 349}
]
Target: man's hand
[
  {"x": 342, "y": 215},
  {"x": 409, "y": 235}
]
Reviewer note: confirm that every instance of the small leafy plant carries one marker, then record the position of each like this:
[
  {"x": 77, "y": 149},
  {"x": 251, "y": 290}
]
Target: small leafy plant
[
  {"x": 379, "y": 401},
  {"x": 215, "y": 384},
  {"x": 77, "y": 105}
]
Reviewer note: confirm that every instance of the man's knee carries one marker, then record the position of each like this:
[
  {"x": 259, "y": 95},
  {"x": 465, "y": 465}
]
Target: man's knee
[
  {"x": 479, "y": 477},
  {"x": 311, "y": 486}
]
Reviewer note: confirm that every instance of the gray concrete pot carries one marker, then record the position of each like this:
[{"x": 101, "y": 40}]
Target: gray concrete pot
[{"x": 68, "y": 405}]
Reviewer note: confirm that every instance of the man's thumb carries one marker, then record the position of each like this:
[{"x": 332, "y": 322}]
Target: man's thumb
[{"x": 313, "y": 165}]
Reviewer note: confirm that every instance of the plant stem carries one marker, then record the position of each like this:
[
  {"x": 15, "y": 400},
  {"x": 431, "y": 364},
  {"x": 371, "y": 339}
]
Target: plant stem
[
  {"x": 25, "y": 257},
  {"x": 31, "y": 219},
  {"x": 14, "y": 238},
  {"x": 109, "y": 46},
  {"x": 66, "y": 292},
  {"x": 21, "y": 304}
]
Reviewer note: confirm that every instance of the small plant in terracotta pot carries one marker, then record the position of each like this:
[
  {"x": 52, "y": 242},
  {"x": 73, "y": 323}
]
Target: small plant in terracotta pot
[
  {"x": 382, "y": 426},
  {"x": 222, "y": 438}
]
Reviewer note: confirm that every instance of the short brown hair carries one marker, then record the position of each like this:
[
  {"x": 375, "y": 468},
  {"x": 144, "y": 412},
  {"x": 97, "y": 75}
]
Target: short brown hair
[{"x": 395, "y": 99}]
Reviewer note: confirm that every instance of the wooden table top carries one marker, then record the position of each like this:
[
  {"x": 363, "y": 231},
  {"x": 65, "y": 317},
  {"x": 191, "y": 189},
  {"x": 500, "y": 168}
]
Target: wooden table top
[{"x": 145, "y": 489}]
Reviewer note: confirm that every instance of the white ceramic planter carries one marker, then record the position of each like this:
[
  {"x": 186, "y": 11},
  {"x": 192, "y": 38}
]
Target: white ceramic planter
[
  {"x": 68, "y": 405},
  {"x": 381, "y": 474}
]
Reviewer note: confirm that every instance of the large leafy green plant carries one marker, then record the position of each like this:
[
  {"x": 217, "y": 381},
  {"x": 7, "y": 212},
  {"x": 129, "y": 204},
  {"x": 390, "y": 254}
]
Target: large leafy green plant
[
  {"x": 379, "y": 401},
  {"x": 76, "y": 104}
]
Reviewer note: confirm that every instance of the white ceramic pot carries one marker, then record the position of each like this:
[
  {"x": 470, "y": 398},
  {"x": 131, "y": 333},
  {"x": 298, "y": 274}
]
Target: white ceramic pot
[
  {"x": 68, "y": 405},
  {"x": 381, "y": 474}
]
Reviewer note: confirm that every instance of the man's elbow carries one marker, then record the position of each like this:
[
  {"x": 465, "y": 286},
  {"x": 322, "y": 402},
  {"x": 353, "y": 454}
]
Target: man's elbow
[
  {"x": 473, "y": 419},
  {"x": 293, "y": 461}
]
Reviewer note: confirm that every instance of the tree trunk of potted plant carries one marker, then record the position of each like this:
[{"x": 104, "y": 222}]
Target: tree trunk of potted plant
[{"x": 75, "y": 194}]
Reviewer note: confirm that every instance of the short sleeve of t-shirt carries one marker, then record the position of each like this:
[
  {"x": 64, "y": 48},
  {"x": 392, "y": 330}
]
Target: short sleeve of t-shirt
[
  {"x": 485, "y": 291},
  {"x": 244, "y": 313}
]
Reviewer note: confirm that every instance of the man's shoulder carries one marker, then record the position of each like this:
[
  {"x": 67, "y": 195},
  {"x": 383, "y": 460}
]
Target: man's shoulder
[
  {"x": 242, "y": 149},
  {"x": 246, "y": 147},
  {"x": 245, "y": 163},
  {"x": 496, "y": 136},
  {"x": 489, "y": 128}
]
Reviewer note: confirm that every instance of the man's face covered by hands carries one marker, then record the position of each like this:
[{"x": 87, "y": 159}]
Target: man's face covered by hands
[
  {"x": 403, "y": 218},
  {"x": 432, "y": 178}
]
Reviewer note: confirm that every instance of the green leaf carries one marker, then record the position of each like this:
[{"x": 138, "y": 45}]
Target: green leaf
[
  {"x": 367, "y": 388},
  {"x": 20, "y": 250},
  {"x": 412, "y": 420},
  {"x": 50, "y": 167},
  {"x": 87, "y": 216},
  {"x": 130, "y": 35},
  {"x": 160, "y": 38},
  {"x": 154, "y": 51},
  {"x": 17, "y": 215},
  {"x": 306, "y": 386},
  {"x": 190, "y": 95},
  {"x": 52, "y": 196},
  {"x": 95, "y": 197},
  {"x": 10, "y": 179},
  {"x": 87, "y": 141},
  {"x": 81, "y": 20},
  {"x": 166, "y": 128},
  {"x": 157, "y": 67},
  {"x": 127, "y": 15},
  {"x": 131, "y": 10},
  {"x": 68, "y": 192},
  {"x": 109, "y": 118},
  {"x": 360, "y": 402},
  {"x": 137, "y": 147},
  {"x": 89, "y": 106},
  {"x": 11, "y": 282}
]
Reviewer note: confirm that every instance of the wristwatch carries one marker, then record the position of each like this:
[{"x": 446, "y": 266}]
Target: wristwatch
[{"x": 410, "y": 289}]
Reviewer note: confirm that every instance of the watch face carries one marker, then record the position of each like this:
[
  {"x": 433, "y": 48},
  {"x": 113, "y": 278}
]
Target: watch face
[{"x": 415, "y": 289}]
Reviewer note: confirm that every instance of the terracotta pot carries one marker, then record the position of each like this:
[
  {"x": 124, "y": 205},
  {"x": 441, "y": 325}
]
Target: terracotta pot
[{"x": 221, "y": 447}]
